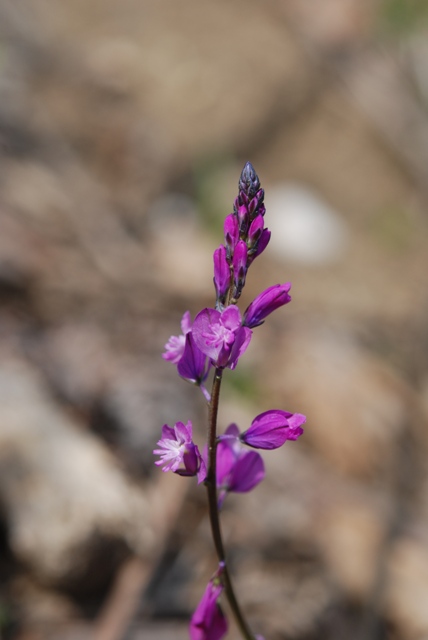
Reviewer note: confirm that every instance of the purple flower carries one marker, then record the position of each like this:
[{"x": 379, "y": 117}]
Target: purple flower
[
  {"x": 266, "y": 302},
  {"x": 221, "y": 274},
  {"x": 179, "y": 453},
  {"x": 174, "y": 348},
  {"x": 221, "y": 336},
  {"x": 271, "y": 429},
  {"x": 194, "y": 365},
  {"x": 209, "y": 622},
  {"x": 238, "y": 470}
]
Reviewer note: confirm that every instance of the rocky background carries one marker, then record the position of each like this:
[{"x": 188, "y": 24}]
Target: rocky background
[{"x": 124, "y": 126}]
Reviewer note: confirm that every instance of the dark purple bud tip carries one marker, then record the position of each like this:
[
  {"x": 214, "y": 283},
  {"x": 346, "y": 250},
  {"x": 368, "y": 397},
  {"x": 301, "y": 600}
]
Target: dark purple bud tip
[{"x": 249, "y": 181}]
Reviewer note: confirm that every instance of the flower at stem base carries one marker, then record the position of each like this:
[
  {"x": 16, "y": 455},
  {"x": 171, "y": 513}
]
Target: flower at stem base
[{"x": 209, "y": 622}]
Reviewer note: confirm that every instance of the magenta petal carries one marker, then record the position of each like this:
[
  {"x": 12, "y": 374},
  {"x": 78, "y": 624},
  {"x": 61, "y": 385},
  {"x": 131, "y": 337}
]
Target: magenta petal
[
  {"x": 248, "y": 471},
  {"x": 183, "y": 431},
  {"x": 168, "y": 433},
  {"x": 192, "y": 364},
  {"x": 231, "y": 317},
  {"x": 231, "y": 232},
  {"x": 262, "y": 243},
  {"x": 255, "y": 230},
  {"x": 202, "y": 332},
  {"x": 225, "y": 461},
  {"x": 240, "y": 345},
  {"x": 221, "y": 273}
]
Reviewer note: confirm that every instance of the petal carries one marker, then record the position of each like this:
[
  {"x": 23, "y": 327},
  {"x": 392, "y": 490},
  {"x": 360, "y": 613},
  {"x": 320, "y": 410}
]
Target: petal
[
  {"x": 248, "y": 471},
  {"x": 231, "y": 317},
  {"x": 240, "y": 345},
  {"x": 168, "y": 433},
  {"x": 186, "y": 322},
  {"x": 225, "y": 461},
  {"x": 202, "y": 329},
  {"x": 192, "y": 364},
  {"x": 183, "y": 432}
]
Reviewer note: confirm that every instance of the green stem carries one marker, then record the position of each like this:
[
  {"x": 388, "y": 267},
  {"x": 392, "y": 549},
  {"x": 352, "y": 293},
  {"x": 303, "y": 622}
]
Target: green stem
[{"x": 213, "y": 505}]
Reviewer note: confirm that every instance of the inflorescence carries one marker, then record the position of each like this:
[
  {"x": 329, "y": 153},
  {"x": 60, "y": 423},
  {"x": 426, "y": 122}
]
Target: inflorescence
[{"x": 216, "y": 339}]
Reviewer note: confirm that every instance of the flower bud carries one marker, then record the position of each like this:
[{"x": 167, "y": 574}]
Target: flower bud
[
  {"x": 239, "y": 267},
  {"x": 221, "y": 274},
  {"x": 249, "y": 181},
  {"x": 231, "y": 233},
  {"x": 271, "y": 429},
  {"x": 266, "y": 302},
  {"x": 255, "y": 231}
]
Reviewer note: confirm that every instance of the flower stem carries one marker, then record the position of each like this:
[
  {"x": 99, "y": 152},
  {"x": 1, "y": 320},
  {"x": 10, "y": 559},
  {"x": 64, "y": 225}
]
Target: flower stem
[{"x": 213, "y": 505}]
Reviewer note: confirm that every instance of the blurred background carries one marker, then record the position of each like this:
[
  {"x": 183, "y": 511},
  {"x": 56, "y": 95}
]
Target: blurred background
[{"x": 124, "y": 126}]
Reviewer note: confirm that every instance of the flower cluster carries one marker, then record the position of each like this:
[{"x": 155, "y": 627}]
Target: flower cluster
[{"x": 217, "y": 338}]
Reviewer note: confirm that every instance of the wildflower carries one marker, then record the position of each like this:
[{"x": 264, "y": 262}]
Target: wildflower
[
  {"x": 179, "y": 453},
  {"x": 174, "y": 348},
  {"x": 193, "y": 365},
  {"x": 266, "y": 302},
  {"x": 238, "y": 470},
  {"x": 271, "y": 429},
  {"x": 209, "y": 622},
  {"x": 221, "y": 336}
]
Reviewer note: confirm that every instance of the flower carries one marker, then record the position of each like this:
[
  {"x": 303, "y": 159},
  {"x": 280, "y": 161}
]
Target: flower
[
  {"x": 221, "y": 336},
  {"x": 193, "y": 363},
  {"x": 174, "y": 348},
  {"x": 270, "y": 299},
  {"x": 209, "y": 622},
  {"x": 179, "y": 453},
  {"x": 238, "y": 470},
  {"x": 271, "y": 429}
]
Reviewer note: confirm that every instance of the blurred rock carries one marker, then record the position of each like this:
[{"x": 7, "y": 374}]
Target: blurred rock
[
  {"x": 355, "y": 405},
  {"x": 407, "y": 588},
  {"x": 70, "y": 511},
  {"x": 352, "y": 537},
  {"x": 304, "y": 228}
]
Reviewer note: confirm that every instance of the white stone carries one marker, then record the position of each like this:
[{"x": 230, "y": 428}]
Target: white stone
[{"x": 305, "y": 229}]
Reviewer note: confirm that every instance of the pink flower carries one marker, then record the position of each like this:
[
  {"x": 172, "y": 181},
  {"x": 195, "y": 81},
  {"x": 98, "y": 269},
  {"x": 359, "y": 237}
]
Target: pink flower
[
  {"x": 221, "y": 336},
  {"x": 179, "y": 453},
  {"x": 209, "y": 622}
]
